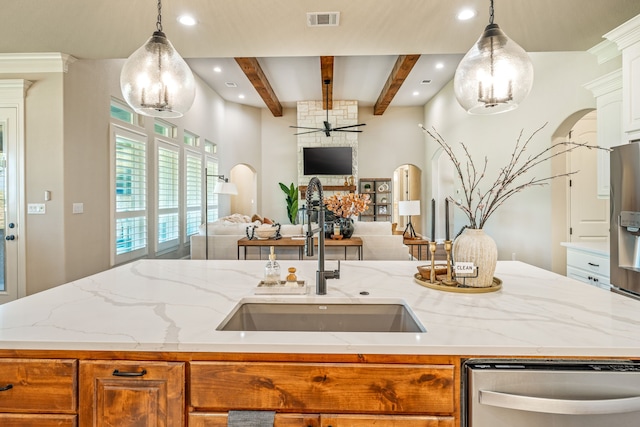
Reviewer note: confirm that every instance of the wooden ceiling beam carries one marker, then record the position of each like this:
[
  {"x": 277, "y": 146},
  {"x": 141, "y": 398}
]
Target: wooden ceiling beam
[
  {"x": 326, "y": 71},
  {"x": 403, "y": 66},
  {"x": 254, "y": 73}
]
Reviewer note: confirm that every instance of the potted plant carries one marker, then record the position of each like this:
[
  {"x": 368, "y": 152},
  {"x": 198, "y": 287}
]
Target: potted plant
[{"x": 292, "y": 201}]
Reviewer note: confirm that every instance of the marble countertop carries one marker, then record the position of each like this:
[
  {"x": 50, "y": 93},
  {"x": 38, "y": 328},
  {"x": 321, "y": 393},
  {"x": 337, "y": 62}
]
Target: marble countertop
[
  {"x": 598, "y": 248},
  {"x": 176, "y": 305}
]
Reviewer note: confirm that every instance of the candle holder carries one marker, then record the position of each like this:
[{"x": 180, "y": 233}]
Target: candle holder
[
  {"x": 449, "y": 281},
  {"x": 432, "y": 249}
]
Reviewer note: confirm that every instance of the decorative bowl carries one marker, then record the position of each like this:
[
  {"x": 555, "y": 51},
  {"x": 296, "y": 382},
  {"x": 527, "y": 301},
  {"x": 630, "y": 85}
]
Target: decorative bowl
[
  {"x": 266, "y": 232},
  {"x": 425, "y": 270}
]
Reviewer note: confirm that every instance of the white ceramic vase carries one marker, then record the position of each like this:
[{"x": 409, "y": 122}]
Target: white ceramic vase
[{"x": 475, "y": 246}]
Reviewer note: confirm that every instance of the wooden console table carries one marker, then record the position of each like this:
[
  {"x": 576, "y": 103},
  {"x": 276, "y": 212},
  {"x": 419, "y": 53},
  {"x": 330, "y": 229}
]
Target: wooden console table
[
  {"x": 299, "y": 243},
  {"x": 420, "y": 243}
]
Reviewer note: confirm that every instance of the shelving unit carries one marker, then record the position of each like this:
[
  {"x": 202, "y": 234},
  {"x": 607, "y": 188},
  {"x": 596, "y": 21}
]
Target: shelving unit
[{"x": 381, "y": 206}]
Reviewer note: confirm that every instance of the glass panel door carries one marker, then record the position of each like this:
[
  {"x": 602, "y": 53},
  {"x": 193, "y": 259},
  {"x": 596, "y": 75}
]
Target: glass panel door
[
  {"x": 9, "y": 246},
  {"x": 3, "y": 190}
]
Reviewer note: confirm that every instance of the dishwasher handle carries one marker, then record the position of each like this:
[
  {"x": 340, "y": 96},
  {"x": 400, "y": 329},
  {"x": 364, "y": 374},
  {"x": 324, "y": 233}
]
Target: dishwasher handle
[{"x": 559, "y": 406}]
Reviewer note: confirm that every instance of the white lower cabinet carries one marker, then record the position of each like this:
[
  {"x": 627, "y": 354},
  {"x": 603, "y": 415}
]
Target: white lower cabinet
[{"x": 588, "y": 267}]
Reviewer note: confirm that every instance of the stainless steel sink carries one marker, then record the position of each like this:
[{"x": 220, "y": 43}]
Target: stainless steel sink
[{"x": 321, "y": 317}]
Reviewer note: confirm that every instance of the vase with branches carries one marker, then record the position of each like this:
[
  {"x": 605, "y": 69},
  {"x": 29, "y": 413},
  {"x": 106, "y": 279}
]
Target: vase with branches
[{"x": 480, "y": 203}]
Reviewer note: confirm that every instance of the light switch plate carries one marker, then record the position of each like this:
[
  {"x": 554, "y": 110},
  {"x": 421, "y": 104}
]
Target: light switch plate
[
  {"x": 36, "y": 209},
  {"x": 78, "y": 208}
]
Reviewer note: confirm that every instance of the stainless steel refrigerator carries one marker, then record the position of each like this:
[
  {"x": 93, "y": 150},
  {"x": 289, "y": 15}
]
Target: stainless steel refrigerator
[{"x": 625, "y": 219}]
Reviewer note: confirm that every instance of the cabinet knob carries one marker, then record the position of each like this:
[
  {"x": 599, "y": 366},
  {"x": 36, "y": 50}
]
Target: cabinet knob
[{"x": 10, "y": 237}]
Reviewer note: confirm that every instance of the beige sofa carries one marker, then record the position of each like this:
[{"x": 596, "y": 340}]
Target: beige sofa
[{"x": 378, "y": 242}]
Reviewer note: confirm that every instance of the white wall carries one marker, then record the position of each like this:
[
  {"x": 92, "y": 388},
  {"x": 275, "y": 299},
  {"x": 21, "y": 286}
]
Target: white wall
[{"x": 523, "y": 224}]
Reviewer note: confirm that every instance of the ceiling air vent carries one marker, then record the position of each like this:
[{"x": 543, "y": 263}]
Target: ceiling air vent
[
  {"x": 425, "y": 82},
  {"x": 230, "y": 84},
  {"x": 323, "y": 19}
]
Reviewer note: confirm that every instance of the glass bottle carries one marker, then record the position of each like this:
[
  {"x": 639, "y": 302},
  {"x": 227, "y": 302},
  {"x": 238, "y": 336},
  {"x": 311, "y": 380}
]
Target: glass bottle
[{"x": 272, "y": 270}]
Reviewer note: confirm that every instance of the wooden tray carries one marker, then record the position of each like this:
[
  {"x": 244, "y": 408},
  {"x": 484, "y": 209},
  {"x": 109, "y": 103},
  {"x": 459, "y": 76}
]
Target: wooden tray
[
  {"x": 281, "y": 289},
  {"x": 459, "y": 287}
]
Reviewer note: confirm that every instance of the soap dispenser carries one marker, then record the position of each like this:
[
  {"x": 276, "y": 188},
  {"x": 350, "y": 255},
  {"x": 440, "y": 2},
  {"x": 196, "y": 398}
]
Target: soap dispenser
[{"x": 272, "y": 270}]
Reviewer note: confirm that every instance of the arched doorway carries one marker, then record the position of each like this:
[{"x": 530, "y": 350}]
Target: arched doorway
[
  {"x": 246, "y": 180},
  {"x": 580, "y": 215},
  {"x": 443, "y": 185}
]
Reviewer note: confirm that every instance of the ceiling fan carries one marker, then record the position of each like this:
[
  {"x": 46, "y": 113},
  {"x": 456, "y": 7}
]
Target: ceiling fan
[{"x": 327, "y": 129}]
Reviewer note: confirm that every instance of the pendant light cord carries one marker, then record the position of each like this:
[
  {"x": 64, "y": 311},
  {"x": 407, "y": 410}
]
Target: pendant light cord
[
  {"x": 159, "y": 22},
  {"x": 491, "y": 13}
]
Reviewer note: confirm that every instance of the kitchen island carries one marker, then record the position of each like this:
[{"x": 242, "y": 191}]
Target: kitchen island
[{"x": 160, "y": 317}]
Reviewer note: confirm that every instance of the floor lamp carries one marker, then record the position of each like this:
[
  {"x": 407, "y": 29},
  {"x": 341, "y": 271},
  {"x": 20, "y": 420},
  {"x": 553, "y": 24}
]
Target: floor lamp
[{"x": 408, "y": 208}]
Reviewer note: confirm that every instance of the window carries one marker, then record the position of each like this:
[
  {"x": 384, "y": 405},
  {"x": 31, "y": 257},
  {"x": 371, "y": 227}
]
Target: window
[
  {"x": 210, "y": 147},
  {"x": 122, "y": 111},
  {"x": 168, "y": 196},
  {"x": 160, "y": 127},
  {"x": 191, "y": 139},
  {"x": 130, "y": 194},
  {"x": 193, "y": 192},
  {"x": 159, "y": 198}
]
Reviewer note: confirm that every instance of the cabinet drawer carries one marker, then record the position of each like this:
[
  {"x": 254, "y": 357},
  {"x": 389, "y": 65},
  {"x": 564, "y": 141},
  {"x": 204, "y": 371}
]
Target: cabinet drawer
[
  {"x": 29, "y": 420},
  {"x": 597, "y": 264},
  {"x": 323, "y": 387},
  {"x": 330, "y": 420},
  {"x": 38, "y": 385},
  {"x": 206, "y": 419},
  {"x": 385, "y": 421},
  {"x": 588, "y": 277}
]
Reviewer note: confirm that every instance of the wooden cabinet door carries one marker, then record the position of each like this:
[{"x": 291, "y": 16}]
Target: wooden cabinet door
[{"x": 131, "y": 394}]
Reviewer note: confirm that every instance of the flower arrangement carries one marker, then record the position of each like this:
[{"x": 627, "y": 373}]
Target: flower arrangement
[
  {"x": 508, "y": 181},
  {"x": 347, "y": 205}
]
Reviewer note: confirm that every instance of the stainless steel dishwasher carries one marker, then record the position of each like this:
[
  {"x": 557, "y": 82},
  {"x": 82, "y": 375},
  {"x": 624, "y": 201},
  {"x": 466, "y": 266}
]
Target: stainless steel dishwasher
[{"x": 543, "y": 393}]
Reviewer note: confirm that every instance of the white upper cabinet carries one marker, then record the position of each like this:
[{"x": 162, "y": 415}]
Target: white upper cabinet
[
  {"x": 608, "y": 93},
  {"x": 627, "y": 38}
]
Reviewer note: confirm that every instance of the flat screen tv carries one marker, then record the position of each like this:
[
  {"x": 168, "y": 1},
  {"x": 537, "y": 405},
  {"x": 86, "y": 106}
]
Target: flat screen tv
[{"x": 327, "y": 160}]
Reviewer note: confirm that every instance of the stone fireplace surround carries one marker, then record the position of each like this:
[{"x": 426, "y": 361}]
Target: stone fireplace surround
[{"x": 311, "y": 114}]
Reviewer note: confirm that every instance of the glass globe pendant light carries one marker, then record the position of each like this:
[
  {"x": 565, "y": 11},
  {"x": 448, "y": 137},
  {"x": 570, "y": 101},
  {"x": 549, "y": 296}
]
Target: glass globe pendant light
[
  {"x": 496, "y": 74},
  {"x": 155, "y": 80}
]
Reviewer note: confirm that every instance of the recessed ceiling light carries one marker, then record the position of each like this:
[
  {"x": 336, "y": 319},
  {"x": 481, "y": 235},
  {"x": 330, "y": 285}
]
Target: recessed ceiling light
[
  {"x": 439, "y": 65},
  {"x": 217, "y": 69},
  {"x": 416, "y": 93},
  {"x": 187, "y": 20},
  {"x": 241, "y": 96},
  {"x": 466, "y": 14}
]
